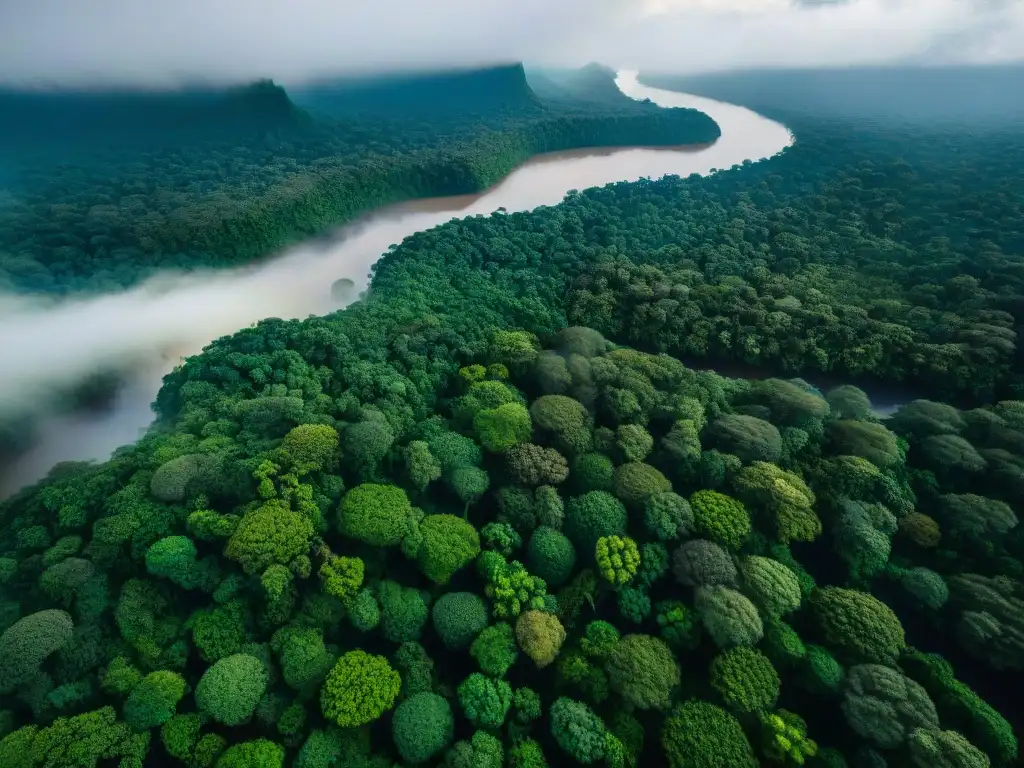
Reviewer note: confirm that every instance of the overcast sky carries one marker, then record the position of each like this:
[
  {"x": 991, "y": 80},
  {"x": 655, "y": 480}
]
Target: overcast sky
[{"x": 166, "y": 41}]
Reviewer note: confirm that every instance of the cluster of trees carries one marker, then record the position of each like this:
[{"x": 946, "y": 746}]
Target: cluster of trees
[
  {"x": 99, "y": 216},
  {"x": 577, "y": 553}
]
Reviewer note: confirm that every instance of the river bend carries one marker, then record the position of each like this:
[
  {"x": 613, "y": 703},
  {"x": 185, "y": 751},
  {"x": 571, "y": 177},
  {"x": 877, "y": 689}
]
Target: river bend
[{"x": 147, "y": 329}]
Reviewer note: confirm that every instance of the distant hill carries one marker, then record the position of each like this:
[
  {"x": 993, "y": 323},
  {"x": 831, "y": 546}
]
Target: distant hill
[
  {"x": 131, "y": 116},
  {"x": 443, "y": 94},
  {"x": 939, "y": 95},
  {"x": 592, "y": 84}
]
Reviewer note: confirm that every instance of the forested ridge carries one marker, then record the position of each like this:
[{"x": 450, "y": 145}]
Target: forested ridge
[
  {"x": 117, "y": 186},
  {"x": 488, "y": 517}
]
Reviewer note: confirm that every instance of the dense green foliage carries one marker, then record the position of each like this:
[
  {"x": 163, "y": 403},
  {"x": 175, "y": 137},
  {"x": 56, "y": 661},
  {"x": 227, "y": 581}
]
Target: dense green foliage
[
  {"x": 243, "y": 173},
  {"x": 637, "y": 563}
]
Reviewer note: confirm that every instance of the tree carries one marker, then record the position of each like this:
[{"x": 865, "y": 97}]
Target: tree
[
  {"x": 857, "y": 624},
  {"x": 421, "y": 727},
  {"x": 485, "y": 702},
  {"x": 617, "y": 559},
  {"x": 849, "y": 402},
  {"x": 532, "y": 464},
  {"x": 591, "y": 516},
  {"x": 501, "y": 428},
  {"x": 69, "y": 742},
  {"x": 861, "y": 541},
  {"x": 565, "y": 420},
  {"x": 26, "y": 644},
  {"x": 416, "y": 668},
  {"x": 682, "y": 446},
  {"x": 180, "y": 735},
  {"x": 379, "y": 515},
  {"x": 636, "y": 482},
  {"x": 458, "y": 618},
  {"x": 578, "y": 731},
  {"x": 120, "y": 677},
  {"x": 678, "y": 625},
  {"x": 230, "y": 690},
  {"x": 454, "y": 450},
  {"x": 668, "y": 516},
  {"x": 364, "y": 612},
  {"x": 654, "y": 564},
  {"x": 495, "y": 650},
  {"x": 517, "y": 348},
  {"x": 823, "y": 674},
  {"x": 697, "y": 734},
  {"x": 517, "y": 508},
  {"x": 272, "y": 533},
  {"x": 304, "y": 658},
  {"x": 920, "y": 529},
  {"x": 944, "y": 749},
  {"x": 260, "y": 753},
  {"x": 359, "y": 689},
  {"x": 784, "y": 496},
  {"x": 729, "y": 617},
  {"x": 367, "y": 442},
  {"x": 969, "y": 518},
  {"x": 924, "y": 418},
  {"x": 720, "y": 518},
  {"x": 469, "y": 483},
  {"x": 771, "y": 585},
  {"x": 991, "y": 622},
  {"x": 702, "y": 563},
  {"x": 423, "y": 468},
  {"x": 793, "y": 403},
  {"x": 634, "y": 604},
  {"x": 540, "y": 635},
  {"x": 593, "y": 472},
  {"x": 311, "y": 448},
  {"x": 866, "y": 439},
  {"x": 883, "y": 705},
  {"x": 745, "y": 680},
  {"x": 782, "y": 644},
  {"x": 449, "y": 543},
  {"x": 482, "y": 751},
  {"x": 958, "y": 703},
  {"x": 152, "y": 702},
  {"x": 634, "y": 442},
  {"x": 749, "y": 438},
  {"x": 950, "y": 453},
  {"x": 549, "y": 507},
  {"x": 510, "y": 587},
  {"x": 342, "y": 577},
  {"x": 643, "y": 671},
  {"x": 63, "y": 580},
  {"x": 926, "y": 587},
  {"x": 784, "y": 735},
  {"x": 221, "y": 631},
  {"x": 527, "y": 754},
  {"x": 500, "y": 537},
  {"x": 551, "y": 556},
  {"x": 174, "y": 480}
]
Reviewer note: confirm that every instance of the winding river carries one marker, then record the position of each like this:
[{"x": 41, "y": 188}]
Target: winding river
[{"x": 44, "y": 346}]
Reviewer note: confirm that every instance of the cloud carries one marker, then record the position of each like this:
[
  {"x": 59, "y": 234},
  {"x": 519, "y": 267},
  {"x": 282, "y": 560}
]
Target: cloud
[{"x": 159, "y": 42}]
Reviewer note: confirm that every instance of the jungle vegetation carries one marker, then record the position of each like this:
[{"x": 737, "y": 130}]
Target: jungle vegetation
[
  {"x": 103, "y": 189},
  {"x": 490, "y": 515}
]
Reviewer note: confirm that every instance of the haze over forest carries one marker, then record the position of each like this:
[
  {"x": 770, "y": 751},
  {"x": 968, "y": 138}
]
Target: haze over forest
[{"x": 149, "y": 42}]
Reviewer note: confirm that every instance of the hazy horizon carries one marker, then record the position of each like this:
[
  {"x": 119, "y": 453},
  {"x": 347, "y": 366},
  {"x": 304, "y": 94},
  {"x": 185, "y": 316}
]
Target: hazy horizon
[{"x": 143, "y": 43}]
